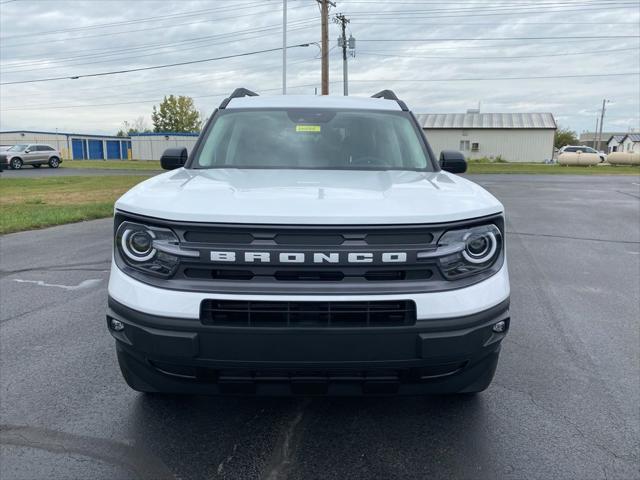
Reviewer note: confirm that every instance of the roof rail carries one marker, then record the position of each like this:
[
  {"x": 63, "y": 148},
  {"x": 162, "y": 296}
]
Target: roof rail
[
  {"x": 390, "y": 95},
  {"x": 237, "y": 93}
]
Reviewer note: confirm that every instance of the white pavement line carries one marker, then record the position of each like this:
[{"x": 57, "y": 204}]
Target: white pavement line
[
  {"x": 82, "y": 285},
  {"x": 635, "y": 183}
]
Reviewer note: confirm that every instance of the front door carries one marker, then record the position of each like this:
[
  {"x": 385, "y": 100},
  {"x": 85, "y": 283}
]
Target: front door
[{"x": 33, "y": 156}]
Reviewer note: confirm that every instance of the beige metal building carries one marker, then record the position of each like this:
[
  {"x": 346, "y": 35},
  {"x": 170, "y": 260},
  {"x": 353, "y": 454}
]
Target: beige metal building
[
  {"x": 149, "y": 146},
  {"x": 514, "y": 137}
]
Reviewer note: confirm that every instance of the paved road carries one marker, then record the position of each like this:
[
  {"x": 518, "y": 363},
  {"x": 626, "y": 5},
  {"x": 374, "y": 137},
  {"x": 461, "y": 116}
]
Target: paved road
[
  {"x": 564, "y": 404},
  {"x": 42, "y": 172}
]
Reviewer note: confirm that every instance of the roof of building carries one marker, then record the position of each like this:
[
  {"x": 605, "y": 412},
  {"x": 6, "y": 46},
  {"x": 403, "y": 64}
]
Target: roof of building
[
  {"x": 487, "y": 120},
  {"x": 634, "y": 137},
  {"x": 313, "y": 101},
  {"x": 67, "y": 134},
  {"x": 617, "y": 138}
]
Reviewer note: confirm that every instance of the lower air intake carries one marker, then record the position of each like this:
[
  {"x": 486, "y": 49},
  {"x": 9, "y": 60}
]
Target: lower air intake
[{"x": 231, "y": 313}]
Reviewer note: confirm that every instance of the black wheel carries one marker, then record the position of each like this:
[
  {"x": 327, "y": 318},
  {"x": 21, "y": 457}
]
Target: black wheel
[
  {"x": 37, "y": 165},
  {"x": 16, "y": 163},
  {"x": 54, "y": 162}
]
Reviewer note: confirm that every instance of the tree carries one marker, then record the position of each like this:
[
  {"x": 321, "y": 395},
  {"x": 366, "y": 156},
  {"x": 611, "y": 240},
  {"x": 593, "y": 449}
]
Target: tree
[
  {"x": 176, "y": 114},
  {"x": 139, "y": 125},
  {"x": 563, "y": 137}
]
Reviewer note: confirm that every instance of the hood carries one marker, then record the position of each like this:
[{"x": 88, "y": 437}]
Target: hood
[{"x": 312, "y": 197}]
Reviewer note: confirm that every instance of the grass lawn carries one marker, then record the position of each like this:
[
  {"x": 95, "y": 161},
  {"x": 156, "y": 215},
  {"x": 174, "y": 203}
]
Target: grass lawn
[
  {"x": 30, "y": 203},
  {"x": 113, "y": 164},
  {"x": 537, "y": 168},
  {"x": 474, "y": 167}
]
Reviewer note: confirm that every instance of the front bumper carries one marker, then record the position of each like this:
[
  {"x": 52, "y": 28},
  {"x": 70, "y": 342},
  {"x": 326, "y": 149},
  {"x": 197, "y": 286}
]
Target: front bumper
[{"x": 448, "y": 355}]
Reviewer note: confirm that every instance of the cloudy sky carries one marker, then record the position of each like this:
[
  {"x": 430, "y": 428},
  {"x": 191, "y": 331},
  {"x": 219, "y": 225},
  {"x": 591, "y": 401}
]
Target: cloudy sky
[{"x": 440, "y": 56}]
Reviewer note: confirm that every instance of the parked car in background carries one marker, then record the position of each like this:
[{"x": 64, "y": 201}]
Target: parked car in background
[
  {"x": 32, "y": 154},
  {"x": 583, "y": 149},
  {"x": 3, "y": 148}
]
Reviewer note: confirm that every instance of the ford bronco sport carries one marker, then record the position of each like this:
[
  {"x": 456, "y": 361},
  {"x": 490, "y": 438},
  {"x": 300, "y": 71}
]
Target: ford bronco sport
[{"x": 313, "y": 246}]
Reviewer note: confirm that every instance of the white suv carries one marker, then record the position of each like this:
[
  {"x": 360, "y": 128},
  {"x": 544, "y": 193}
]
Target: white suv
[{"x": 309, "y": 245}]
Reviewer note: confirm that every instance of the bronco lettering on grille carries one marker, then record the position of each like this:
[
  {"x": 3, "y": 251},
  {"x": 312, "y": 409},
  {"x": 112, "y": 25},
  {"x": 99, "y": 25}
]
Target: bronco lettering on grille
[{"x": 301, "y": 257}]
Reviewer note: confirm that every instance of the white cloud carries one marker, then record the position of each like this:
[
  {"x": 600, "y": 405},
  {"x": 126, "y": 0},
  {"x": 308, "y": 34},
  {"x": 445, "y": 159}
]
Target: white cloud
[{"x": 191, "y": 30}]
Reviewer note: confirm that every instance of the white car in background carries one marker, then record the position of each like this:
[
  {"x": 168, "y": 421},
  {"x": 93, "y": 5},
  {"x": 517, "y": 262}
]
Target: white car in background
[{"x": 583, "y": 149}]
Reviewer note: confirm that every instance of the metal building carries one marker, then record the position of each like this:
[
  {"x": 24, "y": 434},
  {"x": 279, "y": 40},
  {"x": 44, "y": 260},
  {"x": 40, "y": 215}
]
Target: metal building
[
  {"x": 514, "y": 137},
  {"x": 149, "y": 146},
  {"x": 630, "y": 143},
  {"x": 613, "y": 145},
  {"x": 76, "y": 146}
]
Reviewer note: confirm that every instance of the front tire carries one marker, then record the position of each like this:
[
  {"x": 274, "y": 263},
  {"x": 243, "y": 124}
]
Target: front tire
[
  {"x": 16, "y": 163},
  {"x": 54, "y": 162}
]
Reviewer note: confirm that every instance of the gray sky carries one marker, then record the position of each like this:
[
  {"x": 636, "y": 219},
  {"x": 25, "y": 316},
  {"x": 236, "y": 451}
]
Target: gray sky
[{"x": 401, "y": 45}]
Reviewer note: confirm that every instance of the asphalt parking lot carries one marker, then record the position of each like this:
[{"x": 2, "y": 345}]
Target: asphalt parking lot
[{"x": 564, "y": 403}]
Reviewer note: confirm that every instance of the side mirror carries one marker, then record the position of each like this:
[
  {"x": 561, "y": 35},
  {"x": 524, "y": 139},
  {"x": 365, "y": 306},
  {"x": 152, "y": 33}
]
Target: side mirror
[
  {"x": 26, "y": 150},
  {"x": 453, "y": 161},
  {"x": 173, "y": 158}
]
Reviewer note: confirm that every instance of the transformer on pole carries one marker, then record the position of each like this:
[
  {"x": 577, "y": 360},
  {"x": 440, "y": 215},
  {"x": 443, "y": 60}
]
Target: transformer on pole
[{"x": 345, "y": 44}]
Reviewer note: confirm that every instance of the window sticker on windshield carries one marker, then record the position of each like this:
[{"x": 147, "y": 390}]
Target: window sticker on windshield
[{"x": 308, "y": 128}]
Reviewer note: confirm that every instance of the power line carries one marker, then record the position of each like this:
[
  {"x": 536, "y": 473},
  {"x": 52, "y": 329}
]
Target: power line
[
  {"x": 480, "y": 79},
  {"x": 165, "y": 87},
  {"x": 477, "y": 3},
  {"x": 148, "y": 54},
  {"x": 502, "y": 57},
  {"x": 479, "y": 13},
  {"x": 155, "y": 67},
  {"x": 499, "y": 8},
  {"x": 172, "y": 25},
  {"x": 101, "y": 52},
  {"x": 496, "y": 39},
  {"x": 141, "y": 20},
  {"x": 453, "y": 79}
]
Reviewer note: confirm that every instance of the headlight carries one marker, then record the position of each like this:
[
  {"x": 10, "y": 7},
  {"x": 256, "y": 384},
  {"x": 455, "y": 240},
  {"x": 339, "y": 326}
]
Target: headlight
[
  {"x": 469, "y": 251},
  {"x": 149, "y": 249}
]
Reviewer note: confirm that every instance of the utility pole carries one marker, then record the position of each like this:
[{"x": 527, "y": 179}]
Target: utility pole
[
  {"x": 342, "y": 20},
  {"x": 604, "y": 102},
  {"x": 324, "y": 14},
  {"x": 284, "y": 47}
]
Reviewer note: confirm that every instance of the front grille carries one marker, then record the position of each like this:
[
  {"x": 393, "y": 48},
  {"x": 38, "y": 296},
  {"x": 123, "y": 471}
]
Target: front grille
[
  {"x": 308, "y": 259},
  {"x": 231, "y": 313},
  {"x": 318, "y": 237},
  {"x": 288, "y": 275}
]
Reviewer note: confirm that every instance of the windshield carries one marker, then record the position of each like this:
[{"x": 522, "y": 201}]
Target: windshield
[
  {"x": 18, "y": 148},
  {"x": 313, "y": 139}
]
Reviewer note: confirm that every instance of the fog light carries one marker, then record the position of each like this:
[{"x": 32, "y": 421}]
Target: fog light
[
  {"x": 500, "y": 327},
  {"x": 118, "y": 326}
]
